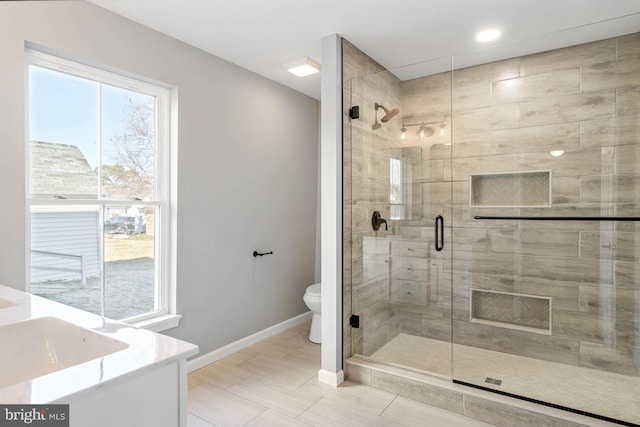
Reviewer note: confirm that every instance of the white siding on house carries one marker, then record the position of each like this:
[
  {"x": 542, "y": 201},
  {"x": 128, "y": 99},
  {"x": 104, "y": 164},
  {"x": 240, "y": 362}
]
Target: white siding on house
[{"x": 69, "y": 233}]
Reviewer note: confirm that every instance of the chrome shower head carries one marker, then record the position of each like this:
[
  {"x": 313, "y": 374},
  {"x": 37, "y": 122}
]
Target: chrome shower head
[{"x": 388, "y": 114}]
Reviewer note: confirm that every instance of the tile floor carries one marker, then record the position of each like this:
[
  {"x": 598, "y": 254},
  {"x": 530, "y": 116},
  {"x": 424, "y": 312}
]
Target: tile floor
[{"x": 274, "y": 383}]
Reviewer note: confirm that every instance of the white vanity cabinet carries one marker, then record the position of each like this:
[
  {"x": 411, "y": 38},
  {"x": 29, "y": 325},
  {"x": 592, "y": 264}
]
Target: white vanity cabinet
[
  {"x": 109, "y": 373},
  {"x": 157, "y": 398}
]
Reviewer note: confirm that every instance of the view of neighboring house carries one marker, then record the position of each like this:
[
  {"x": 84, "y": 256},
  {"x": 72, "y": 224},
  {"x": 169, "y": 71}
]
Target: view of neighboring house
[
  {"x": 77, "y": 179},
  {"x": 65, "y": 244}
]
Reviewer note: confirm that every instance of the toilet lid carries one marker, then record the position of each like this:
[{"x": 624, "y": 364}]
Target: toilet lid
[{"x": 314, "y": 289}]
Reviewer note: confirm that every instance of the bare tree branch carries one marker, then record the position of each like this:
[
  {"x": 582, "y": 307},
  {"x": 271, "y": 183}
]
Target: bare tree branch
[{"x": 131, "y": 155}]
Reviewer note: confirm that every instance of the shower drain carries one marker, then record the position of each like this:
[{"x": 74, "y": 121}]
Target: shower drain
[{"x": 493, "y": 381}]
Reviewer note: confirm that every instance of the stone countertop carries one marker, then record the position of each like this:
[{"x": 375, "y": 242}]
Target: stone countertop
[{"x": 145, "y": 351}]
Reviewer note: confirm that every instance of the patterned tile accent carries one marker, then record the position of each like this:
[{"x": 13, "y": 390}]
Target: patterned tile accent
[
  {"x": 510, "y": 189},
  {"x": 511, "y": 309}
]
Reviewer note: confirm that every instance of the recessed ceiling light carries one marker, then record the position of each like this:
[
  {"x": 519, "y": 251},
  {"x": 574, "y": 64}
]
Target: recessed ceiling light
[
  {"x": 302, "y": 67},
  {"x": 556, "y": 153},
  {"x": 488, "y": 35}
]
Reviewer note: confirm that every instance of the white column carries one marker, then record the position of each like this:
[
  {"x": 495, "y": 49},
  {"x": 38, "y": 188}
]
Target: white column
[{"x": 331, "y": 210}]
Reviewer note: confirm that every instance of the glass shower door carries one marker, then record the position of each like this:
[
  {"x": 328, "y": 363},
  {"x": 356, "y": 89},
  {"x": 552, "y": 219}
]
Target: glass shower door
[
  {"x": 533, "y": 164},
  {"x": 546, "y": 254},
  {"x": 399, "y": 167}
]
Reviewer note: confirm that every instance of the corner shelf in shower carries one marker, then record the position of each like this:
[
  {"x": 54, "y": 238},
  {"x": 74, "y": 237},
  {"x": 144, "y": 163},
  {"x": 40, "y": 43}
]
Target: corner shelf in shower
[{"x": 510, "y": 189}]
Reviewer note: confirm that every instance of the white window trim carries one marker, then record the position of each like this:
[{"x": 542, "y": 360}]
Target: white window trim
[
  {"x": 166, "y": 178},
  {"x": 159, "y": 323}
]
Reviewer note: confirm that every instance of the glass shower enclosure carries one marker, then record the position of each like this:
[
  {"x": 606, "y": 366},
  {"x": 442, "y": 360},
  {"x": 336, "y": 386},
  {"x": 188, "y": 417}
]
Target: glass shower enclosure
[{"x": 510, "y": 252}]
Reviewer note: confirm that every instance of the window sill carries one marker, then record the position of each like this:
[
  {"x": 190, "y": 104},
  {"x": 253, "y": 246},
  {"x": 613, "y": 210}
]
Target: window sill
[{"x": 160, "y": 323}]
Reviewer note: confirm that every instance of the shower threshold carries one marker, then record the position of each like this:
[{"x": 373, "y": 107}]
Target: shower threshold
[{"x": 557, "y": 393}]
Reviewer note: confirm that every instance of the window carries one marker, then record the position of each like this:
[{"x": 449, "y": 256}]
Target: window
[
  {"x": 98, "y": 190},
  {"x": 396, "y": 193},
  {"x": 404, "y": 168}
]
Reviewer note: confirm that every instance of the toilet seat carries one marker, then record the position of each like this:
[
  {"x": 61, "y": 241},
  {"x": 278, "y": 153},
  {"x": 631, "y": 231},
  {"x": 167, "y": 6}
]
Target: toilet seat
[{"x": 314, "y": 290}]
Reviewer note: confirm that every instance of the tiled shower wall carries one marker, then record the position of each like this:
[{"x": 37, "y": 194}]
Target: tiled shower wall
[
  {"x": 506, "y": 117},
  {"x": 365, "y": 170}
]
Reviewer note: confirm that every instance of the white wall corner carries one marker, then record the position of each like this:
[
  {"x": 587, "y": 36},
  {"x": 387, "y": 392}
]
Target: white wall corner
[{"x": 331, "y": 207}]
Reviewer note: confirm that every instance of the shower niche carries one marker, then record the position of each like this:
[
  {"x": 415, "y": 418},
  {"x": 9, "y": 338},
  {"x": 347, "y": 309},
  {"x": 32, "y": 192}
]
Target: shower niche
[
  {"x": 510, "y": 189},
  {"x": 507, "y": 310},
  {"x": 536, "y": 285}
]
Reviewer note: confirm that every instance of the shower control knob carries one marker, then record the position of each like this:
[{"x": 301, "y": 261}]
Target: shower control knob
[{"x": 377, "y": 221}]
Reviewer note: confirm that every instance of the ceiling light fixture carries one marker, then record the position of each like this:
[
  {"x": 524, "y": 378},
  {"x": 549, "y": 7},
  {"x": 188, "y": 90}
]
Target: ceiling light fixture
[
  {"x": 556, "y": 153},
  {"x": 488, "y": 35},
  {"x": 302, "y": 67}
]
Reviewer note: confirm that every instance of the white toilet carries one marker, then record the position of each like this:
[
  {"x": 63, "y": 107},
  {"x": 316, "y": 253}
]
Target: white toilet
[{"x": 312, "y": 299}]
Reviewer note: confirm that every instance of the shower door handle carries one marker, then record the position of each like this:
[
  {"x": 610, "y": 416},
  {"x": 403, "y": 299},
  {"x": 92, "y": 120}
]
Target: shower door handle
[{"x": 439, "y": 227}]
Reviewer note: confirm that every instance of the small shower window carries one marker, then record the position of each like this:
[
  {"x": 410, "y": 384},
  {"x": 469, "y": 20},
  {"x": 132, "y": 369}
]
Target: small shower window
[{"x": 399, "y": 191}]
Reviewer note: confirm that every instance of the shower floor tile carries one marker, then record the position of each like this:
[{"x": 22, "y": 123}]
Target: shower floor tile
[
  {"x": 599, "y": 392},
  {"x": 432, "y": 356}
]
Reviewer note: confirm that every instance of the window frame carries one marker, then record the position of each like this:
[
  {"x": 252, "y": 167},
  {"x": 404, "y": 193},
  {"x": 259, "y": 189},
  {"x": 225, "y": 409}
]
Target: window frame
[{"x": 165, "y": 175}]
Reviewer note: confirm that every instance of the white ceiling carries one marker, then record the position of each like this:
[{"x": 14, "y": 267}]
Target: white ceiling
[{"x": 261, "y": 35}]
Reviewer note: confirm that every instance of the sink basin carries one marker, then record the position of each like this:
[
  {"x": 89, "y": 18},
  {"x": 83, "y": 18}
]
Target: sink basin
[
  {"x": 6, "y": 303},
  {"x": 36, "y": 347}
]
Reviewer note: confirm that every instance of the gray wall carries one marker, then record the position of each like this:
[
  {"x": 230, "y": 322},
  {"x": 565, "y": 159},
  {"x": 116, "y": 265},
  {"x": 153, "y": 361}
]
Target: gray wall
[{"x": 247, "y": 167}]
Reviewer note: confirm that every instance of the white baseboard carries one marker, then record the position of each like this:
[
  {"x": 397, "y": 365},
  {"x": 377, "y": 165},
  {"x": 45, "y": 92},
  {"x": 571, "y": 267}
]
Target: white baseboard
[
  {"x": 231, "y": 348},
  {"x": 331, "y": 378}
]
